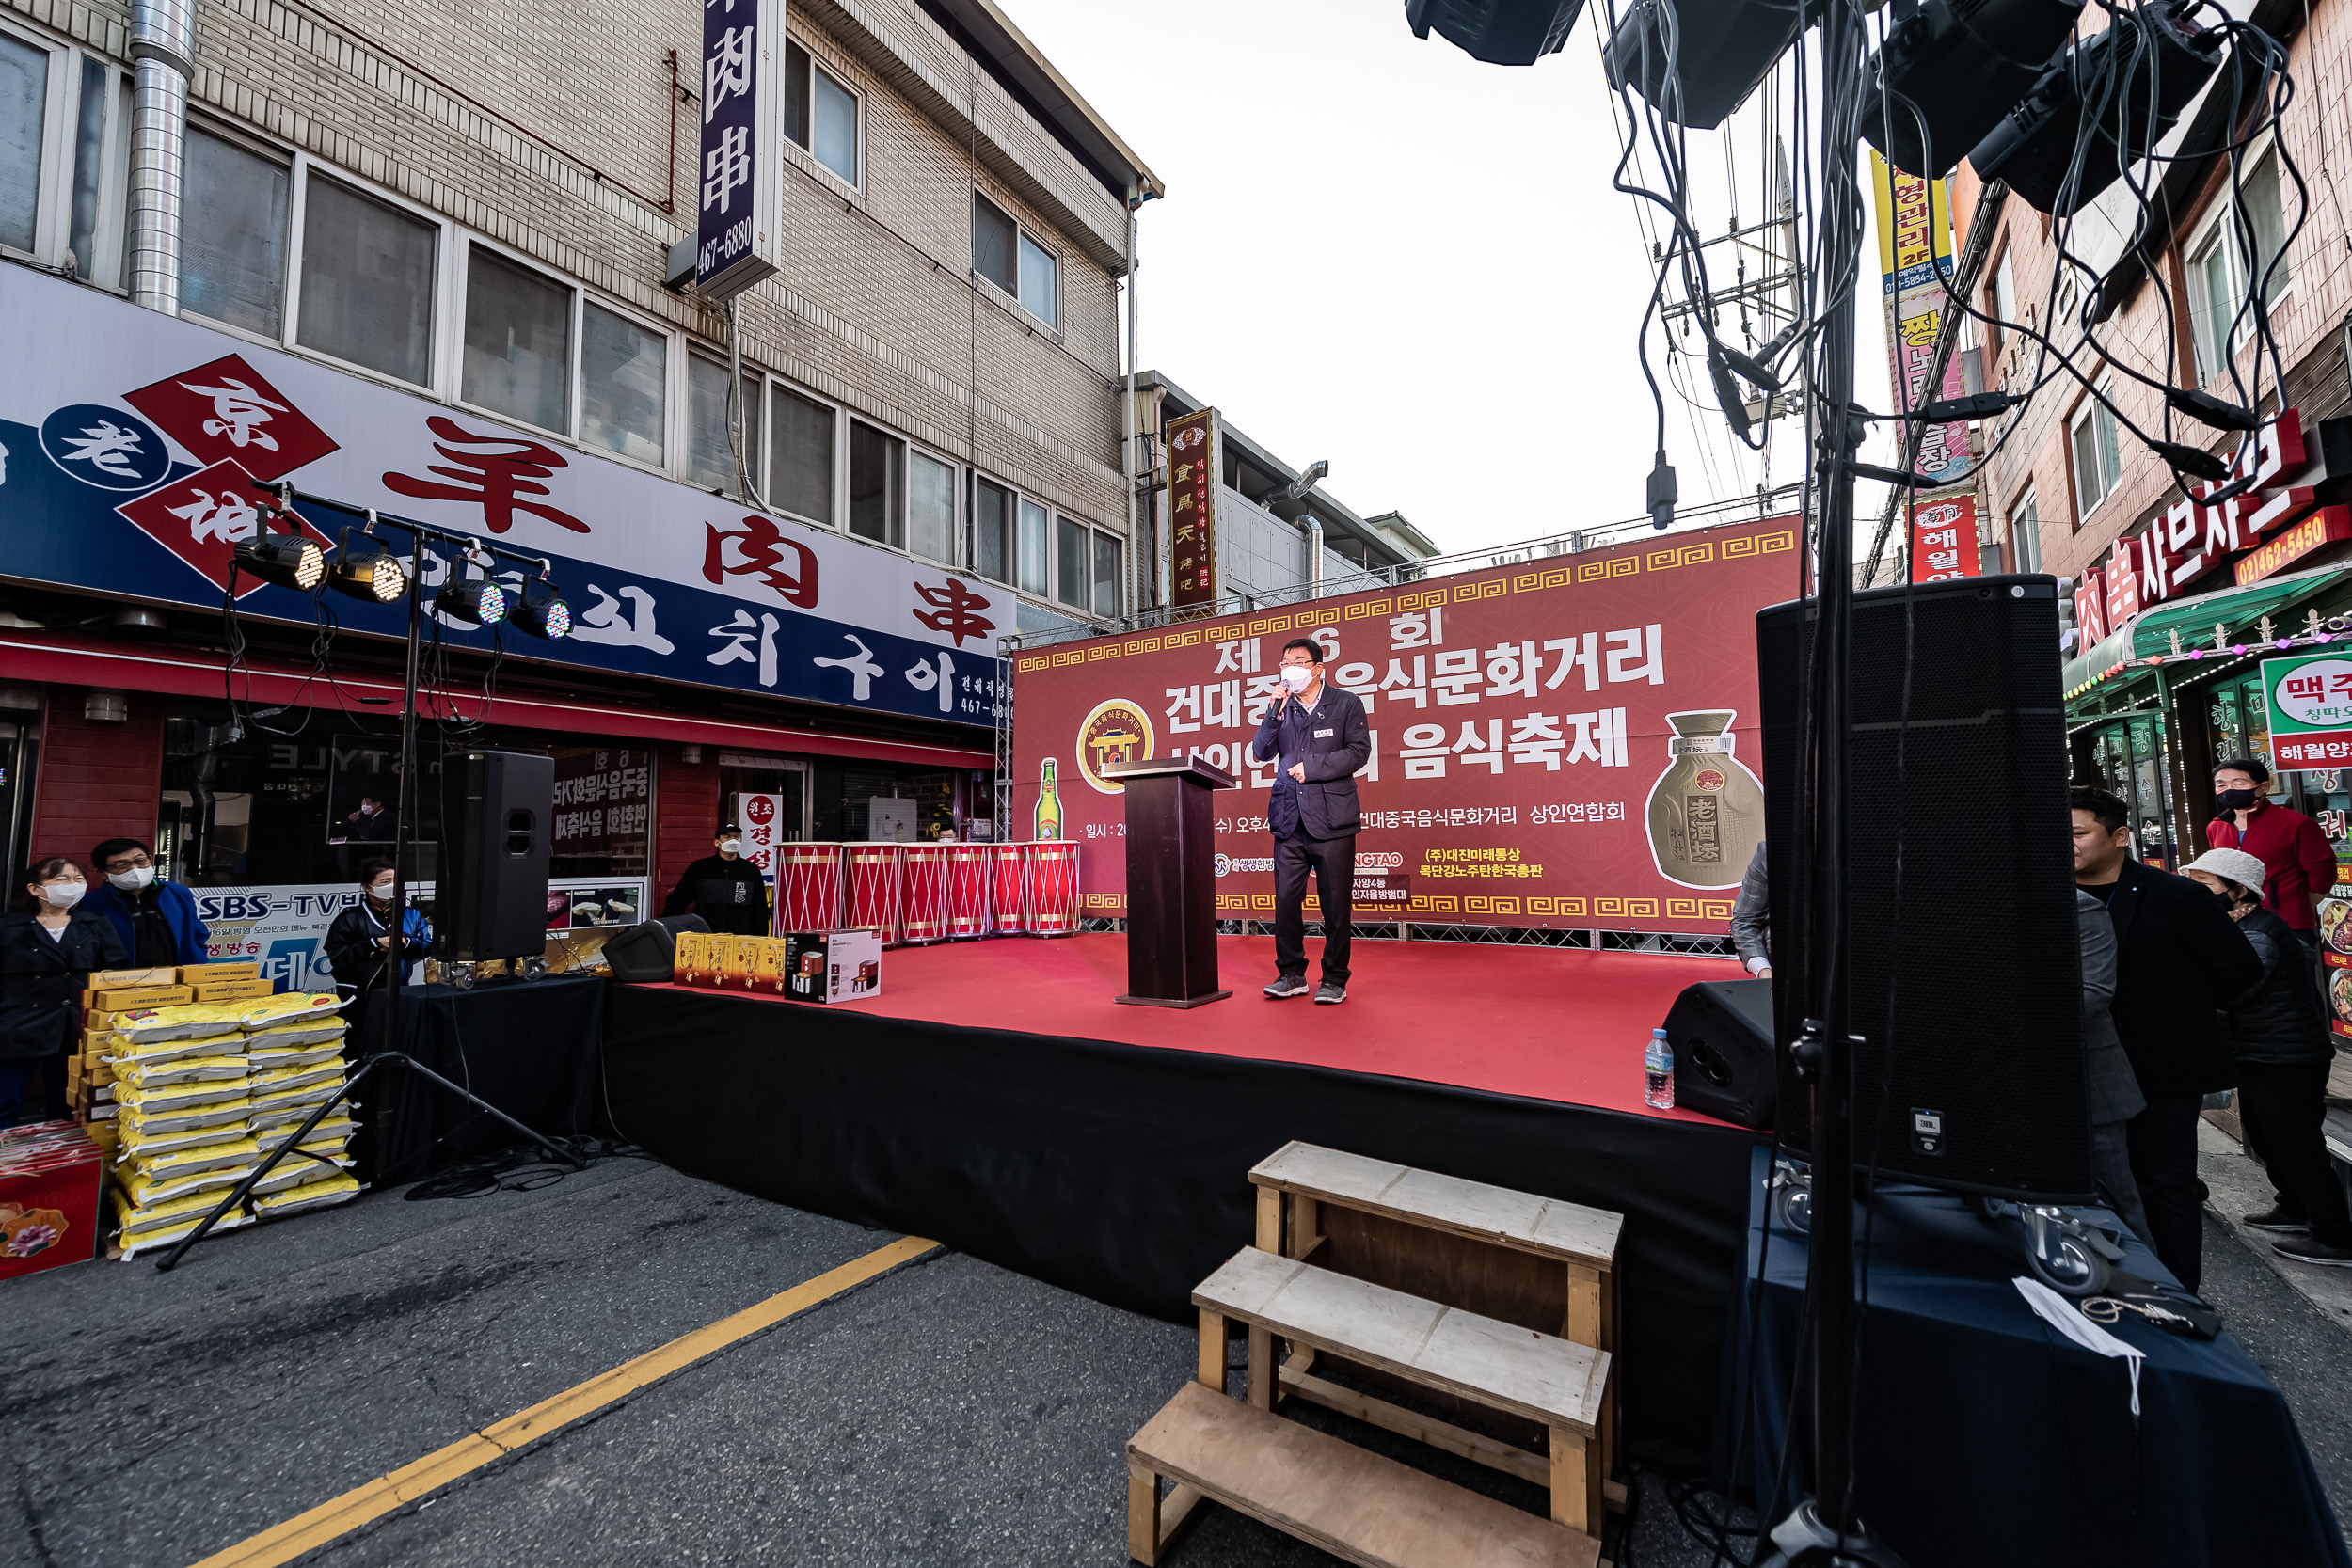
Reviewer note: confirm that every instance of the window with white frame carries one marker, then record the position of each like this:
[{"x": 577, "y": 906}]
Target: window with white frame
[
  {"x": 1072, "y": 571},
  {"x": 1037, "y": 549},
  {"x": 65, "y": 152},
  {"x": 232, "y": 266},
  {"x": 931, "y": 509},
  {"x": 2223, "y": 272},
  {"x": 992, "y": 513},
  {"x": 877, "y": 496},
  {"x": 98, "y": 210},
  {"x": 624, "y": 380},
  {"x": 1110, "y": 576},
  {"x": 24, "y": 70},
  {"x": 367, "y": 279},
  {"x": 709, "y": 446},
  {"x": 801, "y": 454},
  {"x": 2091, "y": 440},
  {"x": 518, "y": 341},
  {"x": 2025, "y": 533},
  {"x": 1016, "y": 261},
  {"x": 821, "y": 113}
]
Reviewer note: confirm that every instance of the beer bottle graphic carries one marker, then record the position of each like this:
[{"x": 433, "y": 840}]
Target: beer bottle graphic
[{"x": 1048, "y": 805}]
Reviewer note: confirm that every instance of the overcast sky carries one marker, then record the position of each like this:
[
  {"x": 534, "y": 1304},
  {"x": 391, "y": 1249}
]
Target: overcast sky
[{"x": 1379, "y": 251}]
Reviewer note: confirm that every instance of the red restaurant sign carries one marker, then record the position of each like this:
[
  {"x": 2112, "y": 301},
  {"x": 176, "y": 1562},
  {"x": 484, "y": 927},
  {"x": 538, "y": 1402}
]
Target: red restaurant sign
[
  {"x": 1943, "y": 539},
  {"x": 1195, "y": 452},
  {"x": 1568, "y": 741}
]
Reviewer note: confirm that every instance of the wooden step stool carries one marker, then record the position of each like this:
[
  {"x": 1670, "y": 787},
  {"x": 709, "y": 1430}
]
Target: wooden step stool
[{"x": 1506, "y": 1255}]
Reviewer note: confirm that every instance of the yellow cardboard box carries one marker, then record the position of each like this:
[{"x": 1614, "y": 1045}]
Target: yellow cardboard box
[
  {"x": 123, "y": 979},
  {"x": 244, "y": 969},
  {"x": 231, "y": 991},
  {"x": 140, "y": 996}
]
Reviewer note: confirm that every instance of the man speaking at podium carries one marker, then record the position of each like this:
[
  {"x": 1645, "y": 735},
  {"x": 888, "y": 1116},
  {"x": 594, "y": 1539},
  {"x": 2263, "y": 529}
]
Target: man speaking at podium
[{"x": 1319, "y": 737}]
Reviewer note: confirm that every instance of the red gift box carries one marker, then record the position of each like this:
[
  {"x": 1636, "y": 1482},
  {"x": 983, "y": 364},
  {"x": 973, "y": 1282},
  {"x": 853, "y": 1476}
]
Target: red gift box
[{"x": 49, "y": 1188}]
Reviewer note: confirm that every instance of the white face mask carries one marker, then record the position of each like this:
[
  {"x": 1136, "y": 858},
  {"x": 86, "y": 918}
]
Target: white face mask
[
  {"x": 730, "y": 846},
  {"x": 63, "y": 895},
  {"x": 1296, "y": 676},
  {"x": 381, "y": 892},
  {"x": 133, "y": 880}
]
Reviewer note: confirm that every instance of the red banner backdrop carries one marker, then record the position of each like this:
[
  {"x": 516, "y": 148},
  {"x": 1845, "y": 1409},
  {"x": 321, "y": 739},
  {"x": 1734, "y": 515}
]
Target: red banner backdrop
[{"x": 1568, "y": 741}]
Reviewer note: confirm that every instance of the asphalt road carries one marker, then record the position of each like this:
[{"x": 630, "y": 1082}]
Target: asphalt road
[{"x": 945, "y": 1412}]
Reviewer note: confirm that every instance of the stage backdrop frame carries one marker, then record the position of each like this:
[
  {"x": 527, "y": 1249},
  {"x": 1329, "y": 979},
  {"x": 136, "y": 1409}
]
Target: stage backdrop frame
[{"x": 1557, "y": 790}]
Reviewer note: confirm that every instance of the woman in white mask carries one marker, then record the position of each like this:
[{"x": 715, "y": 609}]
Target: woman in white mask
[{"x": 49, "y": 945}]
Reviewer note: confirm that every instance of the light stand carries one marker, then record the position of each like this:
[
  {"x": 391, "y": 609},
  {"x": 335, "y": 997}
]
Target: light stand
[{"x": 404, "y": 797}]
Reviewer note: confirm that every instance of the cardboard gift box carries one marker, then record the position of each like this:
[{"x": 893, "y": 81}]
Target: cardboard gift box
[
  {"x": 832, "y": 966},
  {"x": 246, "y": 969},
  {"x": 49, "y": 1186},
  {"x": 124, "y": 1000},
  {"x": 231, "y": 991}
]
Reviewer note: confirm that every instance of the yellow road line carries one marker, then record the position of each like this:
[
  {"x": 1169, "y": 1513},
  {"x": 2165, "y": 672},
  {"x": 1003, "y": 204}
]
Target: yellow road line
[{"x": 285, "y": 1542}]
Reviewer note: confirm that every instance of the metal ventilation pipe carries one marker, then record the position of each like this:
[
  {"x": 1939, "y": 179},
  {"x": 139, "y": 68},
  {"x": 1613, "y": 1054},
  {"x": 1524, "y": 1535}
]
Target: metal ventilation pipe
[
  {"x": 163, "y": 47},
  {"x": 1314, "y": 555}
]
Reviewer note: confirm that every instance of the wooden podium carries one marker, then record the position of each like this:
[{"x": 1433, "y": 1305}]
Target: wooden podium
[{"x": 1172, "y": 880}]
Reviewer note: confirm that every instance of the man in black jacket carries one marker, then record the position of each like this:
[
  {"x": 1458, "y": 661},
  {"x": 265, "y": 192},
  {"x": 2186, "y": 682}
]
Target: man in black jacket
[
  {"x": 726, "y": 889},
  {"x": 2180, "y": 960},
  {"x": 1317, "y": 735}
]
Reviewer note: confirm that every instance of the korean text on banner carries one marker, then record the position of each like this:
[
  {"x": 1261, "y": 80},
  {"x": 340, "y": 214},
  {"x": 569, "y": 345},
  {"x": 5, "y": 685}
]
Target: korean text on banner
[
  {"x": 1914, "y": 219},
  {"x": 760, "y": 820},
  {"x": 1195, "y": 466},
  {"x": 738, "y": 159},
  {"x": 1561, "y": 742}
]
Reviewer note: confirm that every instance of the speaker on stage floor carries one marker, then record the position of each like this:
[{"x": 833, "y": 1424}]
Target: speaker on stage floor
[
  {"x": 1721, "y": 1033},
  {"x": 1964, "y": 986},
  {"x": 490, "y": 900},
  {"x": 648, "y": 950}
]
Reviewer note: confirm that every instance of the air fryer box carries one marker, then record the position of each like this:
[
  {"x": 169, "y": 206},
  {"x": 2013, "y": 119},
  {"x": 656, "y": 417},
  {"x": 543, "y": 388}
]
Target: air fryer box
[{"x": 832, "y": 966}]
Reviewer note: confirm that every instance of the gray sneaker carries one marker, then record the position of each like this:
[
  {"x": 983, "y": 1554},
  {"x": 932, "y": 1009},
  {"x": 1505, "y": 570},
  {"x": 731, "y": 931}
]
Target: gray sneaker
[
  {"x": 1287, "y": 986},
  {"x": 1328, "y": 993}
]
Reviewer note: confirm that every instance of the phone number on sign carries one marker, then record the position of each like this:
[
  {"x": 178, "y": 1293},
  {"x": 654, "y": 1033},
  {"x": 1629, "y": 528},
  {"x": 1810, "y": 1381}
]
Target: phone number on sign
[{"x": 1579, "y": 811}]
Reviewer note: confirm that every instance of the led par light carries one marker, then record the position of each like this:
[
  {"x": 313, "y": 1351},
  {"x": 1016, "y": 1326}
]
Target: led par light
[
  {"x": 1500, "y": 32},
  {"x": 1951, "y": 69},
  {"x": 468, "y": 595},
  {"x": 287, "y": 560},
  {"x": 541, "y": 609},
  {"x": 366, "y": 570},
  {"x": 1721, "y": 49},
  {"x": 2090, "y": 91}
]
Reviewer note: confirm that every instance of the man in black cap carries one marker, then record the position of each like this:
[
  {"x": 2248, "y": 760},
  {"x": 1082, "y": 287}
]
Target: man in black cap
[{"x": 726, "y": 889}]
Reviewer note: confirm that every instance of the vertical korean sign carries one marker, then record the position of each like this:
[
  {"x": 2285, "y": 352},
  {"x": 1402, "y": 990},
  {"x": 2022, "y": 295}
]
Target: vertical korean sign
[
  {"x": 736, "y": 243},
  {"x": 760, "y": 820},
  {"x": 1194, "y": 460},
  {"x": 2310, "y": 698},
  {"x": 1915, "y": 223}
]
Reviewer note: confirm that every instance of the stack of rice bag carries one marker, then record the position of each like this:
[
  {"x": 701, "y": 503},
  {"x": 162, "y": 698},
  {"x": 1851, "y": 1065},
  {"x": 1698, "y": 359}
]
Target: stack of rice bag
[{"x": 205, "y": 1091}]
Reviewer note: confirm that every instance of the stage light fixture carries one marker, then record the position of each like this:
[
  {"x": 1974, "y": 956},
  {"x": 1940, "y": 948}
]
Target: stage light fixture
[
  {"x": 287, "y": 560},
  {"x": 1501, "y": 32},
  {"x": 541, "y": 610},
  {"x": 1722, "y": 50},
  {"x": 2087, "y": 92},
  {"x": 1954, "y": 70},
  {"x": 364, "y": 569},
  {"x": 468, "y": 595}
]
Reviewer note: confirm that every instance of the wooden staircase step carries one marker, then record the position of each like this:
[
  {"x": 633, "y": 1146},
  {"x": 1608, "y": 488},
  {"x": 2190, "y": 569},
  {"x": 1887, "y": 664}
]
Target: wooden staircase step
[
  {"x": 1358, "y": 1505},
  {"x": 1548, "y": 1226},
  {"x": 1519, "y": 1369}
]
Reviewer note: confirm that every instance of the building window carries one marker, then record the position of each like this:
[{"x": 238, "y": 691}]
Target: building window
[
  {"x": 623, "y": 370},
  {"x": 1074, "y": 572},
  {"x": 877, "y": 485},
  {"x": 1110, "y": 577},
  {"x": 23, "y": 110},
  {"x": 799, "y": 432},
  {"x": 2025, "y": 533},
  {"x": 232, "y": 266},
  {"x": 1037, "y": 549},
  {"x": 932, "y": 508},
  {"x": 709, "y": 451},
  {"x": 820, "y": 113},
  {"x": 2000, "y": 302},
  {"x": 1005, "y": 254},
  {"x": 992, "y": 530},
  {"x": 2097, "y": 465},
  {"x": 518, "y": 341},
  {"x": 2221, "y": 275},
  {"x": 367, "y": 282}
]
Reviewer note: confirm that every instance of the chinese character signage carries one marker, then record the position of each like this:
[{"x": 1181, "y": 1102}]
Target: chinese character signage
[
  {"x": 738, "y": 206},
  {"x": 1915, "y": 220},
  {"x": 1566, "y": 742},
  {"x": 130, "y": 444},
  {"x": 1196, "y": 461},
  {"x": 1943, "y": 538},
  {"x": 2310, "y": 698}
]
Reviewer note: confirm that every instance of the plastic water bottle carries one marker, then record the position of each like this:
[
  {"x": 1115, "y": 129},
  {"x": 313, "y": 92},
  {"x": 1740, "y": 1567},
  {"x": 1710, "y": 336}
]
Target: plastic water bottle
[{"x": 1658, "y": 1066}]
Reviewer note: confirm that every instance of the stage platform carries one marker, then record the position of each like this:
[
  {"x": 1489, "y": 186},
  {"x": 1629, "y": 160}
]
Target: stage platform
[{"x": 995, "y": 1098}]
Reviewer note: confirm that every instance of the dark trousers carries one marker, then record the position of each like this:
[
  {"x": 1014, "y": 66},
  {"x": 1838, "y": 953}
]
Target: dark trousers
[
  {"x": 20, "y": 1101},
  {"x": 1333, "y": 862},
  {"x": 2163, "y": 1142},
  {"x": 2280, "y": 1109}
]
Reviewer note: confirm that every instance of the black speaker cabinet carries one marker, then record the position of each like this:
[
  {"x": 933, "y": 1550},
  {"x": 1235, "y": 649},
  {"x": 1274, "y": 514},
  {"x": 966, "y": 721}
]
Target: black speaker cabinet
[
  {"x": 490, "y": 900},
  {"x": 648, "y": 950},
  {"x": 1965, "y": 985},
  {"x": 1720, "y": 1032}
]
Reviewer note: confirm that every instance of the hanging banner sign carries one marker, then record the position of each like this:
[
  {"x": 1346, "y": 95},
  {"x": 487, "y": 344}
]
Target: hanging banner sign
[
  {"x": 2310, "y": 701},
  {"x": 1915, "y": 220},
  {"x": 1195, "y": 458},
  {"x": 1943, "y": 538},
  {"x": 1568, "y": 742},
  {"x": 760, "y": 820},
  {"x": 738, "y": 162}
]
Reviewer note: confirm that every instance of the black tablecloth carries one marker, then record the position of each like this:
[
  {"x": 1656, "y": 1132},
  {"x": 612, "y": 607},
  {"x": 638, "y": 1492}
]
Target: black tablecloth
[
  {"x": 1986, "y": 1437},
  {"x": 530, "y": 1048}
]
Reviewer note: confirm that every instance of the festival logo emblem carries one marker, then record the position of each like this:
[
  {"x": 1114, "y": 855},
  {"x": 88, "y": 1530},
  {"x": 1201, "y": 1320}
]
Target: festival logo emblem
[
  {"x": 1117, "y": 730},
  {"x": 106, "y": 447},
  {"x": 202, "y": 517},
  {"x": 227, "y": 410},
  {"x": 1706, "y": 812}
]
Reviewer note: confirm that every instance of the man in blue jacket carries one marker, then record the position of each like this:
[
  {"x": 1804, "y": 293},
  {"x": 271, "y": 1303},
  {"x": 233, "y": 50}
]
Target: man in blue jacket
[
  {"x": 156, "y": 920},
  {"x": 1318, "y": 735}
]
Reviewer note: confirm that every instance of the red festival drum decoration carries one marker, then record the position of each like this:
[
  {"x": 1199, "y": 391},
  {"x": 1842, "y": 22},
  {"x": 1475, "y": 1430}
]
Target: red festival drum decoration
[
  {"x": 1009, "y": 912},
  {"x": 876, "y": 871},
  {"x": 967, "y": 889},
  {"x": 1053, "y": 888},
  {"x": 808, "y": 887},
  {"x": 923, "y": 894}
]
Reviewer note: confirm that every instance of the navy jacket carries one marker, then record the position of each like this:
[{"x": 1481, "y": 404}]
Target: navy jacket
[
  {"x": 191, "y": 936},
  {"x": 2180, "y": 960},
  {"x": 41, "y": 979},
  {"x": 1336, "y": 743}
]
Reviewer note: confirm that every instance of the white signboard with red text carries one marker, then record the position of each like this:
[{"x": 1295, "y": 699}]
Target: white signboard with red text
[{"x": 760, "y": 820}]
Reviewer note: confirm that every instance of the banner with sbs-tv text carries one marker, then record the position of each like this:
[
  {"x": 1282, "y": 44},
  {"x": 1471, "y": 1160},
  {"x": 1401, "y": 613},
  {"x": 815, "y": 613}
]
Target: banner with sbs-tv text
[{"x": 1564, "y": 741}]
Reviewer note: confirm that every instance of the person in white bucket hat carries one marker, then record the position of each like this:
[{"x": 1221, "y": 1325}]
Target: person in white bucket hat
[{"x": 2278, "y": 1035}]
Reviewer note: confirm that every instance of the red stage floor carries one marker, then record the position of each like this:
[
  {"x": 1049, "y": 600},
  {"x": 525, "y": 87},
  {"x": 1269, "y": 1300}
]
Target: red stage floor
[{"x": 1551, "y": 1023}]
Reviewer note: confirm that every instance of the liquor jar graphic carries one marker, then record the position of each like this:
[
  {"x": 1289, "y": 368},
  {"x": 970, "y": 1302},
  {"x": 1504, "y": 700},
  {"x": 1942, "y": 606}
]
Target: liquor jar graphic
[
  {"x": 1048, "y": 823},
  {"x": 1705, "y": 812}
]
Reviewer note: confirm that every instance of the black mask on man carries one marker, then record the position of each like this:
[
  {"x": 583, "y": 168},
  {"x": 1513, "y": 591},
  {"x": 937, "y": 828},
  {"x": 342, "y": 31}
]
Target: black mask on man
[{"x": 2237, "y": 799}]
